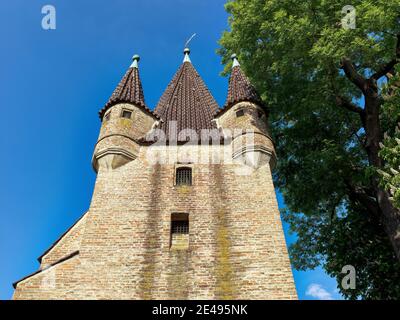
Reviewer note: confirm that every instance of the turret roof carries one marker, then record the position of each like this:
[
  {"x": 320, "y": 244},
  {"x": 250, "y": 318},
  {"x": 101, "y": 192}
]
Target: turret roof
[
  {"x": 187, "y": 100},
  {"x": 240, "y": 87},
  {"x": 129, "y": 90}
]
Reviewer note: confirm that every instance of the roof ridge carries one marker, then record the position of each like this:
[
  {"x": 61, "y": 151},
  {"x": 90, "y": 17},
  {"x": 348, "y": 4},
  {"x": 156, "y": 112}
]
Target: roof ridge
[{"x": 179, "y": 76}]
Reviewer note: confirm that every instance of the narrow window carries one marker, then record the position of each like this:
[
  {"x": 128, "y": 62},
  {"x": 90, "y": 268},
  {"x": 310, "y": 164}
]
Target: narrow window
[
  {"x": 107, "y": 116},
  {"x": 240, "y": 113},
  {"x": 184, "y": 176},
  {"x": 260, "y": 113},
  {"x": 179, "y": 231},
  {"x": 126, "y": 114}
]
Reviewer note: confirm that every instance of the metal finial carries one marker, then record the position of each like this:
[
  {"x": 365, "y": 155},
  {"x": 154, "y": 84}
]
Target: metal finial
[
  {"x": 186, "y": 53},
  {"x": 135, "y": 60},
  {"x": 235, "y": 61}
]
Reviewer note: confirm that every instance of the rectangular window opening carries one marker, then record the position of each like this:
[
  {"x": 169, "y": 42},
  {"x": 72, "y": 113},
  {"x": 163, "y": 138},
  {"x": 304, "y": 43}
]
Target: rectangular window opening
[
  {"x": 183, "y": 176},
  {"x": 179, "y": 231},
  {"x": 126, "y": 114},
  {"x": 240, "y": 113}
]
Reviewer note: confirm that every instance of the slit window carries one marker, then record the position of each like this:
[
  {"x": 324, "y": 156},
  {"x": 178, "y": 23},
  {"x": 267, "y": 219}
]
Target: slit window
[
  {"x": 184, "y": 176},
  {"x": 240, "y": 113},
  {"x": 126, "y": 114}
]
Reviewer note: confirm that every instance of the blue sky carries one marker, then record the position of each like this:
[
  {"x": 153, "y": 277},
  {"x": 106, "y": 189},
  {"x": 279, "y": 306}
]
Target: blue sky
[{"x": 52, "y": 84}]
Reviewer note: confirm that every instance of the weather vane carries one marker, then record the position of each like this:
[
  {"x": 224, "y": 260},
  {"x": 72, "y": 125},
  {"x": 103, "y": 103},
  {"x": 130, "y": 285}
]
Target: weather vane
[{"x": 190, "y": 39}]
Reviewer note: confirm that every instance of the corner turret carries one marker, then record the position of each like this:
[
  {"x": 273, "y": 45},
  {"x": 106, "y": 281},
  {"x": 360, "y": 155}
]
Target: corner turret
[
  {"x": 246, "y": 117},
  {"x": 125, "y": 120}
]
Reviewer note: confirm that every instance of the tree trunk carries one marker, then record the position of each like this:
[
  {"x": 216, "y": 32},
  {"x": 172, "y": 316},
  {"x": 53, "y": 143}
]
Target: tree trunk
[{"x": 390, "y": 214}]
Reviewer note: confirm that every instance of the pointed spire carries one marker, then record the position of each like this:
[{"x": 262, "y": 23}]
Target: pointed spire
[
  {"x": 186, "y": 53},
  {"x": 187, "y": 101},
  {"x": 240, "y": 88},
  {"x": 128, "y": 90}
]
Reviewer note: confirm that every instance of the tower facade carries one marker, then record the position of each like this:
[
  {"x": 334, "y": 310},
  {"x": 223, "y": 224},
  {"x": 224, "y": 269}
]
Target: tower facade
[{"x": 184, "y": 205}]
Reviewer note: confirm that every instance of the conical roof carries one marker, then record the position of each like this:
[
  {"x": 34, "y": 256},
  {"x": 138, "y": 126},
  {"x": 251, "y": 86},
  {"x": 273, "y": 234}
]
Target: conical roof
[
  {"x": 240, "y": 88},
  {"x": 187, "y": 101},
  {"x": 129, "y": 89}
]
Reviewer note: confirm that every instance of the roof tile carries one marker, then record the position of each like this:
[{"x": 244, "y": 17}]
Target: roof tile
[
  {"x": 240, "y": 89},
  {"x": 129, "y": 90},
  {"x": 187, "y": 101}
]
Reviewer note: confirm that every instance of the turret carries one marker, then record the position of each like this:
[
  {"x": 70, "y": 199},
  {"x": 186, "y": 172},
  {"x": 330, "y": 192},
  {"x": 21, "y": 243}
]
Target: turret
[
  {"x": 125, "y": 120},
  {"x": 245, "y": 118}
]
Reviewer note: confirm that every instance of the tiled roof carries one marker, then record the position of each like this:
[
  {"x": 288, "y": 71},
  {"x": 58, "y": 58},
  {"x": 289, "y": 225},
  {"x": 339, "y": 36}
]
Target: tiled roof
[
  {"x": 187, "y": 101},
  {"x": 240, "y": 88},
  {"x": 128, "y": 90}
]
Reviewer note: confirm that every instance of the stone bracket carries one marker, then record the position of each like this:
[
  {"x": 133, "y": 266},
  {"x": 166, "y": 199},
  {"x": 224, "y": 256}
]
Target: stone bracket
[{"x": 120, "y": 157}]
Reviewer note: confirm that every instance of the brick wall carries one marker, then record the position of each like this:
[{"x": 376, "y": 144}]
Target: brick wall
[{"x": 236, "y": 244}]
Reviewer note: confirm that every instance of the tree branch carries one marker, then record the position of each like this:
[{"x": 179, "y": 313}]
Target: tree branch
[
  {"x": 384, "y": 69},
  {"x": 387, "y": 67},
  {"x": 352, "y": 74},
  {"x": 345, "y": 103}
]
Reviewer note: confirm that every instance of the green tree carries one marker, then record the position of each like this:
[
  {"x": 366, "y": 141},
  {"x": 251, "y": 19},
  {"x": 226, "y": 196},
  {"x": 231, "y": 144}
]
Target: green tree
[
  {"x": 390, "y": 148},
  {"x": 391, "y": 177},
  {"x": 323, "y": 85}
]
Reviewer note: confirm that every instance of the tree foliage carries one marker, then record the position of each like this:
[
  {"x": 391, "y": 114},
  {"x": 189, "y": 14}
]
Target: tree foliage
[
  {"x": 390, "y": 148},
  {"x": 323, "y": 85},
  {"x": 391, "y": 176}
]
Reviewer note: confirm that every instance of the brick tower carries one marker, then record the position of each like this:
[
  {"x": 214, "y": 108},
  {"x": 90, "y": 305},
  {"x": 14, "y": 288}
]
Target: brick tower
[{"x": 184, "y": 205}]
